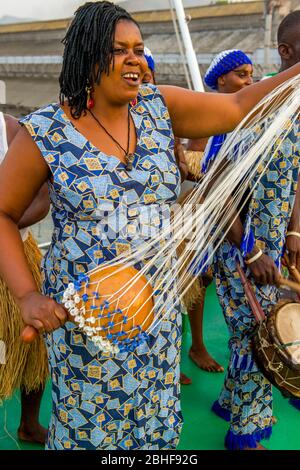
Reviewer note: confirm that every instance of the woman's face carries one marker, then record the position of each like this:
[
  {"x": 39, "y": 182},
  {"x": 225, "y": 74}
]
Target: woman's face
[
  {"x": 127, "y": 71},
  {"x": 237, "y": 79}
]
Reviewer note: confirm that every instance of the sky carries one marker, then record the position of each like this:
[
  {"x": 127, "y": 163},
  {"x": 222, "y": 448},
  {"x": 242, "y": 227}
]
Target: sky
[
  {"x": 39, "y": 9},
  {"x": 53, "y": 9}
]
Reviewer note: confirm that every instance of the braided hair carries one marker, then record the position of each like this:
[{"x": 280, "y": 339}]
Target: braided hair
[{"x": 88, "y": 51}]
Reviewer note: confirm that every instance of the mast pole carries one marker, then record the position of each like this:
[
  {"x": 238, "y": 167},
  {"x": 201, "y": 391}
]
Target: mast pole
[{"x": 189, "y": 50}]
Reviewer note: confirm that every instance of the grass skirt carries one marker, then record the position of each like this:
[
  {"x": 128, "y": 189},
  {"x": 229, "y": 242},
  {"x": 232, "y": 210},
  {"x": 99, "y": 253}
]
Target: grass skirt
[{"x": 26, "y": 364}]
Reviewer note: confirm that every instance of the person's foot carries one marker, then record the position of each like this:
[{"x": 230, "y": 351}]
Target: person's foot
[
  {"x": 36, "y": 433},
  {"x": 184, "y": 379},
  {"x": 204, "y": 360}
]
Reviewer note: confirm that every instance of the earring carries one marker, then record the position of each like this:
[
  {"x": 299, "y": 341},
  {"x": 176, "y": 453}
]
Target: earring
[{"x": 90, "y": 103}]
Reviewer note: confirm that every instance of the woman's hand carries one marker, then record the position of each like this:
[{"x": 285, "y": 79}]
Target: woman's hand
[
  {"x": 40, "y": 313},
  {"x": 264, "y": 270},
  {"x": 292, "y": 246}
]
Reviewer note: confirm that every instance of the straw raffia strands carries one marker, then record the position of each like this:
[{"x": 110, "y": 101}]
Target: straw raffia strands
[
  {"x": 218, "y": 197},
  {"x": 216, "y": 200},
  {"x": 26, "y": 365},
  {"x": 195, "y": 290},
  {"x": 195, "y": 293},
  {"x": 193, "y": 160}
]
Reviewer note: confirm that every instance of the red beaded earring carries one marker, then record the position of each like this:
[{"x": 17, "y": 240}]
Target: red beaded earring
[{"x": 90, "y": 103}]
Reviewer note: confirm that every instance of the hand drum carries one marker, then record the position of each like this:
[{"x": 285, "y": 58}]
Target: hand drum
[{"x": 113, "y": 305}]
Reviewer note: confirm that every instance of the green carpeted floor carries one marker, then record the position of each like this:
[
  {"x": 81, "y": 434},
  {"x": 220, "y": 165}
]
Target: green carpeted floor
[{"x": 202, "y": 429}]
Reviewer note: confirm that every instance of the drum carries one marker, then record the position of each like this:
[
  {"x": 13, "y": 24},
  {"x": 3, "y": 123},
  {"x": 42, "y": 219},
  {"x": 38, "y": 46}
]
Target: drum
[
  {"x": 113, "y": 305},
  {"x": 276, "y": 346}
]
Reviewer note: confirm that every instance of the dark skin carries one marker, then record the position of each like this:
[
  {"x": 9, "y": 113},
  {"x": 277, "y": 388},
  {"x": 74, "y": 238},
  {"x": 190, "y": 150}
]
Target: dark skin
[
  {"x": 219, "y": 113},
  {"x": 236, "y": 79},
  {"x": 197, "y": 145},
  {"x": 289, "y": 48},
  {"x": 30, "y": 428}
]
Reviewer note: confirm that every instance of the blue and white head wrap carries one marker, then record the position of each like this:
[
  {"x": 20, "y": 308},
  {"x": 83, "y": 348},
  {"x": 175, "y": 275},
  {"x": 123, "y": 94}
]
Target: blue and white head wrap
[
  {"x": 149, "y": 58},
  {"x": 224, "y": 63}
]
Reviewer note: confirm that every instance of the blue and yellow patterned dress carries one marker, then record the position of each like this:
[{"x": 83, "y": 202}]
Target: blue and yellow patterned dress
[
  {"x": 129, "y": 401},
  {"x": 246, "y": 398}
]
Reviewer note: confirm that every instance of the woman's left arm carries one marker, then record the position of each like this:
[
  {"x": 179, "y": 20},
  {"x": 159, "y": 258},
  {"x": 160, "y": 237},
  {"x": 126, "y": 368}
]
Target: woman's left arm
[{"x": 195, "y": 114}]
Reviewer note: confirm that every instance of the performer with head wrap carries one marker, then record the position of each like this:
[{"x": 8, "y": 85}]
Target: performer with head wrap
[
  {"x": 268, "y": 224},
  {"x": 229, "y": 72},
  {"x": 227, "y": 69},
  {"x": 100, "y": 155}
]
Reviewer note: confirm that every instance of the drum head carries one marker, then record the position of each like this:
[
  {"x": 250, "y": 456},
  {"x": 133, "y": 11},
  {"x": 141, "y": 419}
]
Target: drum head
[{"x": 288, "y": 329}]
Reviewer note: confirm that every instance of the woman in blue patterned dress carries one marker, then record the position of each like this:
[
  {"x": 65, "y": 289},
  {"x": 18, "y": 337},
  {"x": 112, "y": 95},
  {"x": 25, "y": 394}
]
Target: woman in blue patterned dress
[{"x": 107, "y": 146}]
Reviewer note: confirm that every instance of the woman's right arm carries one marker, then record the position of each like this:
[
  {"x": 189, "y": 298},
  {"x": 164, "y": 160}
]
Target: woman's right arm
[{"x": 22, "y": 174}]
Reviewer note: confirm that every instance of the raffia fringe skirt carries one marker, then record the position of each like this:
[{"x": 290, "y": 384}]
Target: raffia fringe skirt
[{"x": 25, "y": 365}]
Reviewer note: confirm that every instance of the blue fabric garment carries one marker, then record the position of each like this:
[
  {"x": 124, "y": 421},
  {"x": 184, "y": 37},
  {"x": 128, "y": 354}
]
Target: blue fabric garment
[
  {"x": 100, "y": 401},
  {"x": 149, "y": 58},
  {"x": 200, "y": 265},
  {"x": 295, "y": 402},
  {"x": 247, "y": 394},
  {"x": 224, "y": 63},
  {"x": 220, "y": 411},
  {"x": 248, "y": 241},
  {"x": 214, "y": 145},
  {"x": 234, "y": 442}
]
